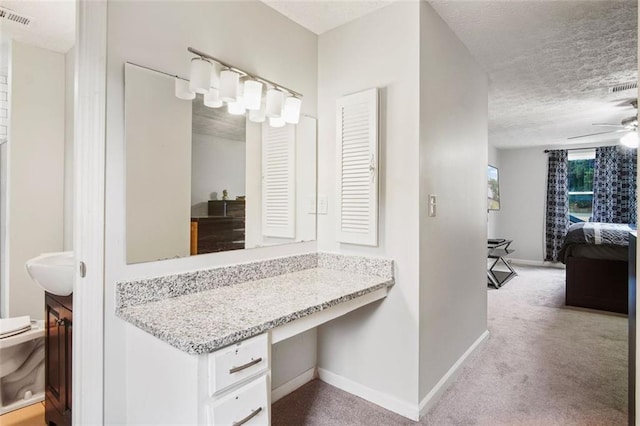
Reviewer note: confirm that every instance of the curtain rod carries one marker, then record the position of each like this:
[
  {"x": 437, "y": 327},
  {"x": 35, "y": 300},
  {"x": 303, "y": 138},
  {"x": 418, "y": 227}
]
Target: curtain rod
[
  {"x": 546, "y": 151},
  {"x": 246, "y": 73}
]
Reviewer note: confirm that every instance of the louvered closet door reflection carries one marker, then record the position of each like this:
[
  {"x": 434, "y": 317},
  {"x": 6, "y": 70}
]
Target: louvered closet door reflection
[
  {"x": 357, "y": 159},
  {"x": 278, "y": 181}
]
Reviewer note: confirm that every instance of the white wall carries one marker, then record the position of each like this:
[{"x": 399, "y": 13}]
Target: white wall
[
  {"x": 4, "y": 105},
  {"x": 306, "y": 178},
  {"x": 376, "y": 346},
  {"x": 453, "y": 166},
  {"x": 523, "y": 191},
  {"x": 4, "y": 291},
  {"x": 158, "y": 167},
  {"x": 293, "y": 355},
  {"x": 494, "y": 215},
  {"x": 437, "y": 309},
  {"x": 4, "y": 121},
  {"x": 157, "y": 34},
  {"x": 253, "y": 205},
  {"x": 36, "y": 169},
  {"x": 217, "y": 164},
  {"x": 69, "y": 90}
]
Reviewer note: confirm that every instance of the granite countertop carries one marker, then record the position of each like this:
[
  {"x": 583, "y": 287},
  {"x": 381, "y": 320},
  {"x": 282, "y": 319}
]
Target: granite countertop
[{"x": 208, "y": 320}]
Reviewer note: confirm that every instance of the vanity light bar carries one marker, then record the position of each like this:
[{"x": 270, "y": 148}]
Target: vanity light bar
[{"x": 243, "y": 72}]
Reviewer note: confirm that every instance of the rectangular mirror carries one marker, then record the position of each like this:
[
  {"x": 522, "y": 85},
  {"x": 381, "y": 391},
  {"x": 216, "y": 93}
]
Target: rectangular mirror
[{"x": 200, "y": 180}]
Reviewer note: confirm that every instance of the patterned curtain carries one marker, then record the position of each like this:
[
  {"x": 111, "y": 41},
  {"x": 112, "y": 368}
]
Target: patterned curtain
[
  {"x": 614, "y": 185},
  {"x": 557, "y": 220},
  {"x": 627, "y": 206}
]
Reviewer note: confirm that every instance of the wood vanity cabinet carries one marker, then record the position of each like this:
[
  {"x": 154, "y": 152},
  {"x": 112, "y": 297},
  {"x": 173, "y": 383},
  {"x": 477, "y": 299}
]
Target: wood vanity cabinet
[{"x": 58, "y": 344}]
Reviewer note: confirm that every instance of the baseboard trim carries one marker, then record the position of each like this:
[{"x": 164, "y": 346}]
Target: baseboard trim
[
  {"x": 293, "y": 384},
  {"x": 434, "y": 395},
  {"x": 379, "y": 398},
  {"x": 394, "y": 404},
  {"x": 526, "y": 262}
]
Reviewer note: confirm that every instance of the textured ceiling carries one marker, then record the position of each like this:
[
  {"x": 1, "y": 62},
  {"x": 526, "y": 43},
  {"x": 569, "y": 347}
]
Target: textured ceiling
[
  {"x": 550, "y": 64},
  {"x": 320, "y": 16},
  {"x": 53, "y": 27}
]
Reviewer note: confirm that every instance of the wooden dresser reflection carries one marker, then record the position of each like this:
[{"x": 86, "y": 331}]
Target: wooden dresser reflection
[{"x": 223, "y": 229}]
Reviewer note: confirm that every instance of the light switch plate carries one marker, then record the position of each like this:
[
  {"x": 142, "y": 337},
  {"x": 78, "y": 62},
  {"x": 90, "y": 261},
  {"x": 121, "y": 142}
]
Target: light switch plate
[
  {"x": 432, "y": 205},
  {"x": 323, "y": 204}
]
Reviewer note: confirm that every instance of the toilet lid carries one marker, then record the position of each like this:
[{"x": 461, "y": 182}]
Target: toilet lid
[{"x": 12, "y": 326}]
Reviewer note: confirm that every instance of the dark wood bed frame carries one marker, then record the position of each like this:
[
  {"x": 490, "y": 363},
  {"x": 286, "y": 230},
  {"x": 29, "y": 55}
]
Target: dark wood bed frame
[{"x": 597, "y": 284}]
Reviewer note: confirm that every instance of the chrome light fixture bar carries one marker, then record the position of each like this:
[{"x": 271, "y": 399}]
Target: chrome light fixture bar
[
  {"x": 242, "y": 91},
  {"x": 244, "y": 73}
]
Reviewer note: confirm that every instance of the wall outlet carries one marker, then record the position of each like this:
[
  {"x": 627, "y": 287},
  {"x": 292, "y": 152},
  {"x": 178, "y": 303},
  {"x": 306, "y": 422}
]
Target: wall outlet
[{"x": 323, "y": 204}]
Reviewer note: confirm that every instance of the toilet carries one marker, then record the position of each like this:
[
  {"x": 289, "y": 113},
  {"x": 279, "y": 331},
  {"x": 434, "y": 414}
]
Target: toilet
[{"x": 21, "y": 363}]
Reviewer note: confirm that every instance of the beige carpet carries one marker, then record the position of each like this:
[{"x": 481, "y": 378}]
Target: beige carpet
[{"x": 544, "y": 364}]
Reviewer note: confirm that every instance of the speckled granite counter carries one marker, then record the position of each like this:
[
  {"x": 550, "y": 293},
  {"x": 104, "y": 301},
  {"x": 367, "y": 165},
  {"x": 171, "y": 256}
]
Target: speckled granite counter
[{"x": 206, "y": 320}]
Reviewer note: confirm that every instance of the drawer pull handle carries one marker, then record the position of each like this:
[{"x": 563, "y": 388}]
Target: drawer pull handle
[
  {"x": 249, "y": 417},
  {"x": 247, "y": 365}
]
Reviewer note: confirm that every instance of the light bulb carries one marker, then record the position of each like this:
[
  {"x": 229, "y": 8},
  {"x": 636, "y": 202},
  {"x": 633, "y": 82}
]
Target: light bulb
[
  {"x": 212, "y": 99},
  {"x": 252, "y": 94},
  {"x": 275, "y": 103},
  {"x": 291, "y": 112},
  {"x": 257, "y": 115},
  {"x": 236, "y": 108},
  {"x": 200, "y": 75},
  {"x": 182, "y": 89},
  {"x": 215, "y": 75},
  {"x": 630, "y": 140},
  {"x": 229, "y": 85}
]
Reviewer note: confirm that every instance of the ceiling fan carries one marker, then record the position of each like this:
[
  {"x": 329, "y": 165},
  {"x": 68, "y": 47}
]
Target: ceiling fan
[{"x": 627, "y": 124}]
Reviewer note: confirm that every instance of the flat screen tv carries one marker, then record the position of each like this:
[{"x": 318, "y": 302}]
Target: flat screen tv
[{"x": 493, "y": 189}]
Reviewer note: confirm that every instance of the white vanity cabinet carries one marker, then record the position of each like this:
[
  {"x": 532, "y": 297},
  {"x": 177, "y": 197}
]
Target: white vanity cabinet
[
  {"x": 235, "y": 363},
  {"x": 230, "y": 386},
  {"x": 248, "y": 405},
  {"x": 187, "y": 359}
]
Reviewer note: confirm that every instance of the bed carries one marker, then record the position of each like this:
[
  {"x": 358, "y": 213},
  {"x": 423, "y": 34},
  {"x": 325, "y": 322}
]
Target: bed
[{"x": 596, "y": 256}]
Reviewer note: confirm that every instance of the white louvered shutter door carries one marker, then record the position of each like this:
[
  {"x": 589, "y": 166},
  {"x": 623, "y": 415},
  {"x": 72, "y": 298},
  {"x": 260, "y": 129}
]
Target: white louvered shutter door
[
  {"x": 357, "y": 155},
  {"x": 278, "y": 181}
]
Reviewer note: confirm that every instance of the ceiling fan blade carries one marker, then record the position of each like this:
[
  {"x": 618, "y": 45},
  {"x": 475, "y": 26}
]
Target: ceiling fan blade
[
  {"x": 600, "y": 133},
  {"x": 607, "y": 124},
  {"x": 626, "y": 102}
]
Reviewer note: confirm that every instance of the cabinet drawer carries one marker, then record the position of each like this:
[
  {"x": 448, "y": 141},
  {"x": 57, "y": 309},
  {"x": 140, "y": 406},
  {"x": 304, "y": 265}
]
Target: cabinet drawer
[
  {"x": 247, "y": 405},
  {"x": 238, "y": 362}
]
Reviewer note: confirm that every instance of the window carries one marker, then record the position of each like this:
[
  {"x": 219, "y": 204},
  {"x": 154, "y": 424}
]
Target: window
[{"x": 581, "y": 168}]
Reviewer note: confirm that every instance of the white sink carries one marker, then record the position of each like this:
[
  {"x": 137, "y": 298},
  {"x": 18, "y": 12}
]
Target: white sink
[{"x": 53, "y": 272}]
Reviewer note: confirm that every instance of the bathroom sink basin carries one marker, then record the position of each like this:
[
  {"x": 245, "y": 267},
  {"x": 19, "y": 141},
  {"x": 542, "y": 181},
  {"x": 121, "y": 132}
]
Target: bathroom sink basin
[{"x": 53, "y": 272}]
